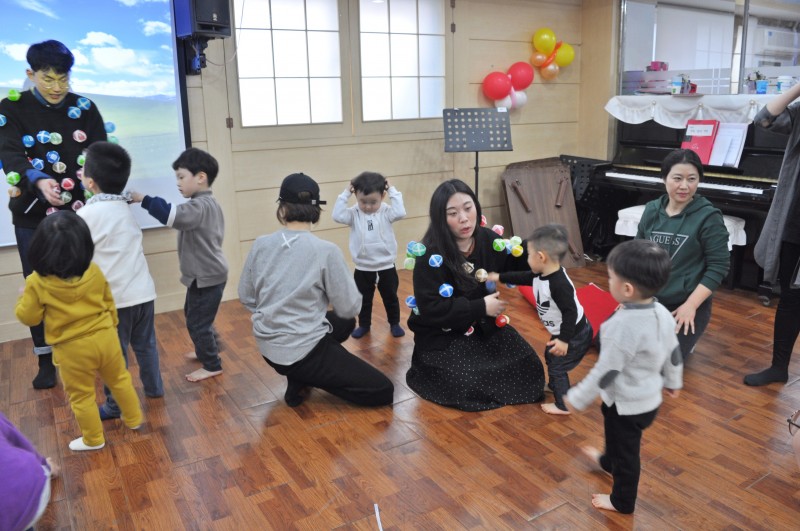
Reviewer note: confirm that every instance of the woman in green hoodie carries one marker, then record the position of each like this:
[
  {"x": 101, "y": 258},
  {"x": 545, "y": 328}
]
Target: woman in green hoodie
[{"x": 691, "y": 229}]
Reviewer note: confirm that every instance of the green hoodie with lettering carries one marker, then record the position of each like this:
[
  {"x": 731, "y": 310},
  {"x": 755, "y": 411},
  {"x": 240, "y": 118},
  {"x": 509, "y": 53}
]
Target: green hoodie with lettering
[{"x": 697, "y": 243}]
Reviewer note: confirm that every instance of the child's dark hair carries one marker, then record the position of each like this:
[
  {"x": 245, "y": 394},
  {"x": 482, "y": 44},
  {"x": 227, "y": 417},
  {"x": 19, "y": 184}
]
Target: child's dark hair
[
  {"x": 643, "y": 263},
  {"x": 293, "y": 212},
  {"x": 196, "y": 160},
  {"x": 48, "y": 55},
  {"x": 109, "y": 165},
  {"x": 681, "y": 156},
  {"x": 369, "y": 182},
  {"x": 439, "y": 235},
  {"x": 61, "y": 246},
  {"x": 552, "y": 239}
]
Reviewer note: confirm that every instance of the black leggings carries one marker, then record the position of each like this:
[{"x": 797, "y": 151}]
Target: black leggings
[
  {"x": 787, "y": 315},
  {"x": 387, "y": 281}
]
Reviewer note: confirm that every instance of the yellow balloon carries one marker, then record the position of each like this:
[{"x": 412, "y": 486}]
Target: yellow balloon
[
  {"x": 565, "y": 55},
  {"x": 544, "y": 40},
  {"x": 538, "y": 58},
  {"x": 549, "y": 72}
]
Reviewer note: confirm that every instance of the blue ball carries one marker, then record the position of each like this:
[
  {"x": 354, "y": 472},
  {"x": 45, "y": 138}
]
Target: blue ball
[
  {"x": 446, "y": 290},
  {"x": 38, "y": 164},
  {"x": 53, "y": 157},
  {"x": 28, "y": 141},
  {"x": 110, "y": 127},
  {"x": 74, "y": 113},
  {"x": 84, "y": 104},
  {"x": 435, "y": 260},
  {"x": 491, "y": 286},
  {"x": 411, "y": 301},
  {"x": 3, "y": 120},
  {"x": 43, "y": 137}
]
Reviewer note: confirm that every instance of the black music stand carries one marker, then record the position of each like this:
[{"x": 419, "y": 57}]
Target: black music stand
[{"x": 477, "y": 130}]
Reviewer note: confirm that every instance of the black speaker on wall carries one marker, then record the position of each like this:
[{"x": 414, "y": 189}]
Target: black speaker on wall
[{"x": 202, "y": 18}]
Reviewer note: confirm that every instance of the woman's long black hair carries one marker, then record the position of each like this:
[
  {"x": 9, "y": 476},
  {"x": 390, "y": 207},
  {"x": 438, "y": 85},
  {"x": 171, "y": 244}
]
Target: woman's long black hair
[{"x": 439, "y": 235}]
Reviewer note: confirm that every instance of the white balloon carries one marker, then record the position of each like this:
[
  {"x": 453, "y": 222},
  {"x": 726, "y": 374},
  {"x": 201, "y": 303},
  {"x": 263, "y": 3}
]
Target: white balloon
[
  {"x": 505, "y": 102},
  {"x": 520, "y": 98}
]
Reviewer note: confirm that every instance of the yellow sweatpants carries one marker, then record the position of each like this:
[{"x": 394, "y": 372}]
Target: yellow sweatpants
[{"x": 78, "y": 362}]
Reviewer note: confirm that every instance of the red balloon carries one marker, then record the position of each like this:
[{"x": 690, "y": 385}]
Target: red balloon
[
  {"x": 521, "y": 74},
  {"x": 496, "y": 86}
]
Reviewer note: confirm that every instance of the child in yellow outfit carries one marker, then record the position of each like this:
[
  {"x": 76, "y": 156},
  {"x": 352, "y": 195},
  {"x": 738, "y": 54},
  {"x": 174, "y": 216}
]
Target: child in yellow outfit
[{"x": 69, "y": 292}]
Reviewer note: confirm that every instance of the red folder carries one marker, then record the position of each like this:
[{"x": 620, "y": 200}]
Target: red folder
[{"x": 700, "y": 135}]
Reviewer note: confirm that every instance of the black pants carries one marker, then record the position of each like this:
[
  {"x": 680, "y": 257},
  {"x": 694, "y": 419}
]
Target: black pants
[
  {"x": 24, "y": 237},
  {"x": 701, "y": 319},
  {"x": 559, "y": 366},
  {"x": 621, "y": 457},
  {"x": 787, "y": 315},
  {"x": 388, "y": 282},
  {"x": 200, "y": 309},
  {"x": 330, "y": 367}
]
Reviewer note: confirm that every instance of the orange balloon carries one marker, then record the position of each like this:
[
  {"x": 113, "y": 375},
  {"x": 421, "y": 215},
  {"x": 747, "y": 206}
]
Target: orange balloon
[
  {"x": 549, "y": 72},
  {"x": 538, "y": 58}
]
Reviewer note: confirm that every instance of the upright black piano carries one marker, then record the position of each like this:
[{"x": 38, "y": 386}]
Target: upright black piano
[{"x": 602, "y": 188}]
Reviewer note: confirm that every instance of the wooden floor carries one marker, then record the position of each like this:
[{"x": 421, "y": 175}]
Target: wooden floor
[{"x": 229, "y": 454}]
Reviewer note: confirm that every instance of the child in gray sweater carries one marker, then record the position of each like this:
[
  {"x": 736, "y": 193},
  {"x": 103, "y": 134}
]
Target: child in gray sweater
[
  {"x": 289, "y": 279},
  {"x": 639, "y": 356}
]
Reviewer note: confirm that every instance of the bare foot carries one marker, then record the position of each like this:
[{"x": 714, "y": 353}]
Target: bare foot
[
  {"x": 201, "y": 374},
  {"x": 594, "y": 455},
  {"x": 602, "y": 501},
  {"x": 190, "y": 356},
  {"x": 553, "y": 409}
]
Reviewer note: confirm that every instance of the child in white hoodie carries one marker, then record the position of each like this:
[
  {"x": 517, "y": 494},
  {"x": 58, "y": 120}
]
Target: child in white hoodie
[{"x": 373, "y": 245}]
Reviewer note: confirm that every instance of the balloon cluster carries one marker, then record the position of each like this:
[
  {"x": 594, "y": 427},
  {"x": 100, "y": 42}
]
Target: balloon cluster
[
  {"x": 549, "y": 54},
  {"x": 506, "y": 90}
]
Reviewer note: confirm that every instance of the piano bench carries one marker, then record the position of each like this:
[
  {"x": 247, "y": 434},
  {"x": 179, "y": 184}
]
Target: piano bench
[{"x": 628, "y": 224}]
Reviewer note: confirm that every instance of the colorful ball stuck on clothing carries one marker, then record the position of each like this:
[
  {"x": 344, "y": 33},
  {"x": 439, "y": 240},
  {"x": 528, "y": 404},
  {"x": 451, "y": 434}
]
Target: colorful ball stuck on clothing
[
  {"x": 469, "y": 331},
  {"x": 74, "y": 113},
  {"x": 59, "y": 167},
  {"x": 14, "y": 95},
  {"x": 81, "y": 160},
  {"x": 481, "y": 275},
  {"x": 446, "y": 290},
  {"x": 483, "y": 220},
  {"x": 53, "y": 157},
  {"x": 56, "y": 138},
  {"x": 515, "y": 240},
  {"x": 502, "y": 320},
  {"x": 416, "y": 248},
  {"x": 499, "y": 245},
  {"x": 67, "y": 183},
  {"x": 110, "y": 127},
  {"x": 411, "y": 301},
  {"x": 77, "y": 205},
  {"x": 78, "y": 136},
  {"x": 84, "y": 103},
  {"x": 13, "y": 178},
  {"x": 499, "y": 229},
  {"x": 87, "y": 194},
  {"x": 3, "y": 120},
  {"x": 66, "y": 196},
  {"x": 435, "y": 260},
  {"x": 516, "y": 250},
  {"x": 51, "y": 210},
  {"x": 409, "y": 263},
  {"x": 43, "y": 137},
  {"x": 491, "y": 286},
  {"x": 13, "y": 191},
  {"x": 28, "y": 141},
  {"x": 113, "y": 139}
]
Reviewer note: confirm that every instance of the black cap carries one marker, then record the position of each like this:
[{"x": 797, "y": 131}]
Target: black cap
[{"x": 294, "y": 185}]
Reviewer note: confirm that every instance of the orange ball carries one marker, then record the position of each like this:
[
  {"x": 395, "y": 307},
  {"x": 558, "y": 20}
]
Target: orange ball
[
  {"x": 538, "y": 58},
  {"x": 549, "y": 72}
]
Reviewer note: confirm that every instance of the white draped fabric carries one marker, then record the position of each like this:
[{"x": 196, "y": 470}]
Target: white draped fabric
[{"x": 675, "y": 111}]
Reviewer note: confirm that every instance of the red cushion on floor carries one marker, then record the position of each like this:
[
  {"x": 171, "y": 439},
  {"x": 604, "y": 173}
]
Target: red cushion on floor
[{"x": 598, "y": 304}]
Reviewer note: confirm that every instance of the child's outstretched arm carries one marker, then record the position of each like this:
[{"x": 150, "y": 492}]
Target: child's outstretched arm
[
  {"x": 158, "y": 208},
  {"x": 398, "y": 209},
  {"x": 342, "y": 214}
]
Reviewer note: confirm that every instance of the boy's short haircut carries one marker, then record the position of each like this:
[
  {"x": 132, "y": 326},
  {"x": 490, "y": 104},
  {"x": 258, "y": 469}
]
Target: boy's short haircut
[
  {"x": 61, "y": 245},
  {"x": 551, "y": 239},
  {"x": 196, "y": 160},
  {"x": 48, "y": 55},
  {"x": 643, "y": 263},
  {"x": 109, "y": 165},
  {"x": 369, "y": 182}
]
